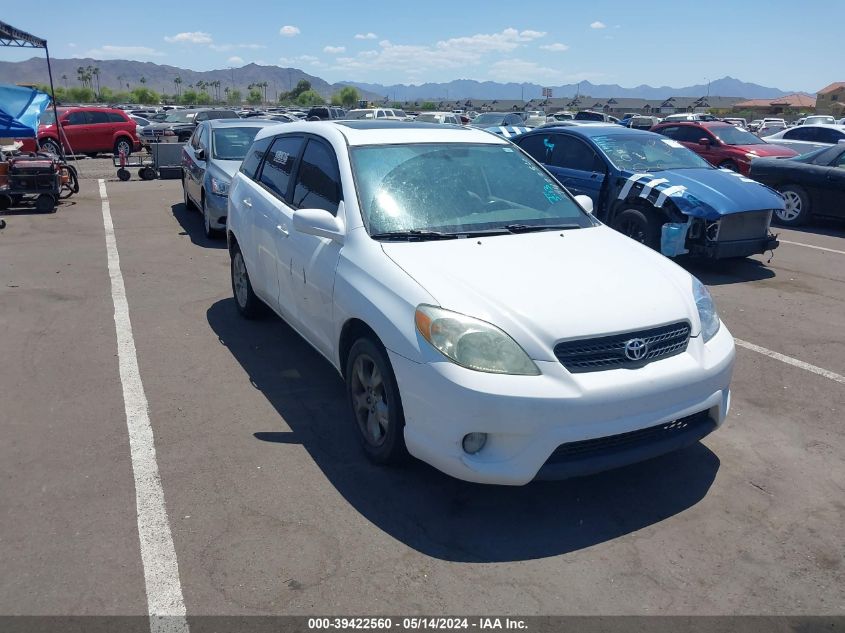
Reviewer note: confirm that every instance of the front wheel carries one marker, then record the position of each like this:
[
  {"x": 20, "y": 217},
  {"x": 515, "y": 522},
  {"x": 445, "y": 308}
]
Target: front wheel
[
  {"x": 51, "y": 147},
  {"x": 796, "y": 209},
  {"x": 375, "y": 402},
  {"x": 639, "y": 226},
  {"x": 210, "y": 232},
  {"x": 189, "y": 205}
]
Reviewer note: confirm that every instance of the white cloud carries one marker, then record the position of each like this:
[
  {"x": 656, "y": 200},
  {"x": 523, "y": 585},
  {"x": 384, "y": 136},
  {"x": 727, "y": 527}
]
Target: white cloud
[
  {"x": 334, "y": 50},
  {"x": 598, "y": 25},
  {"x": 189, "y": 37},
  {"x": 71, "y": 45},
  {"x": 222, "y": 48},
  {"x": 107, "y": 51},
  {"x": 366, "y": 36},
  {"x": 289, "y": 31},
  {"x": 235, "y": 60},
  {"x": 557, "y": 47},
  {"x": 302, "y": 60}
]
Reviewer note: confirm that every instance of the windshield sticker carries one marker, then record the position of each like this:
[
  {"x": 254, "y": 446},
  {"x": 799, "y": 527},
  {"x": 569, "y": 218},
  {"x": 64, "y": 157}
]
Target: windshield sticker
[
  {"x": 550, "y": 193},
  {"x": 672, "y": 143}
]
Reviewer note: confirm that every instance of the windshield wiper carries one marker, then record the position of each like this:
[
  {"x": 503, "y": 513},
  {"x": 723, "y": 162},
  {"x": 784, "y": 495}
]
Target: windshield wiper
[
  {"x": 414, "y": 234},
  {"x": 529, "y": 228}
]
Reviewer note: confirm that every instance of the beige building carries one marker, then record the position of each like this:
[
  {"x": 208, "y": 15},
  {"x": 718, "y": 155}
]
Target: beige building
[{"x": 831, "y": 99}]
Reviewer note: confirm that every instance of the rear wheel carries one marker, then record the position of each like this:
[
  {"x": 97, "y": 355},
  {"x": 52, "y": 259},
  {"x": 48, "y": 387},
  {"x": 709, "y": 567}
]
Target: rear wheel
[
  {"x": 45, "y": 203},
  {"x": 796, "y": 209},
  {"x": 375, "y": 402},
  {"x": 640, "y": 226},
  {"x": 248, "y": 303},
  {"x": 123, "y": 146}
]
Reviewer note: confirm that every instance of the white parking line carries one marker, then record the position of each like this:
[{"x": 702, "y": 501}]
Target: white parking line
[
  {"x": 165, "y": 603},
  {"x": 818, "y": 248},
  {"x": 791, "y": 361}
]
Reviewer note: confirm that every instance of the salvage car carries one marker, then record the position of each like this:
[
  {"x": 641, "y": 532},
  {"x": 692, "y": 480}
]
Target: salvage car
[
  {"x": 179, "y": 125},
  {"x": 210, "y": 159},
  {"x": 455, "y": 350},
  {"x": 85, "y": 130},
  {"x": 812, "y": 184},
  {"x": 656, "y": 191},
  {"x": 722, "y": 144}
]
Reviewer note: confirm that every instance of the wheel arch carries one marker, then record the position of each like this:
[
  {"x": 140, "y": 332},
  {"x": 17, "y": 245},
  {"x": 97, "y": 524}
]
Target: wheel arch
[{"x": 353, "y": 329}]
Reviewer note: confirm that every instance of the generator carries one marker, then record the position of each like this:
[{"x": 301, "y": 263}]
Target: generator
[{"x": 34, "y": 178}]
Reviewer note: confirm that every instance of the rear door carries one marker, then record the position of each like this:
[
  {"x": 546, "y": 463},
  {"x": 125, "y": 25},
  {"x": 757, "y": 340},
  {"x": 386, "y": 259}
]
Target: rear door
[
  {"x": 101, "y": 130},
  {"x": 314, "y": 259},
  {"x": 274, "y": 223}
]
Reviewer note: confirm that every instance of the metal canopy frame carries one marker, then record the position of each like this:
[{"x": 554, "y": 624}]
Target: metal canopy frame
[{"x": 13, "y": 37}]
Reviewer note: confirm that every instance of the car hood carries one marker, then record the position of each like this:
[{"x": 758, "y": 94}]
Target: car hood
[
  {"x": 542, "y": 288},
  {"x": 711, "y": 193},
  {"x": 769, "y": 149},
  {"x": 225, "y": 168}
]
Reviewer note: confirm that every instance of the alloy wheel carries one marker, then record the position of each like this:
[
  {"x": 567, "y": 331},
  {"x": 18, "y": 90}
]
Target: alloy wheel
[
  {"x": 369, "y": 398},
  {"x": 240, "y": 280},
  {"x": 792, "y": 206}
]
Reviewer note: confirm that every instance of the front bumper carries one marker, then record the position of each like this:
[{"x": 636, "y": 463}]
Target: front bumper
[
  {"x": 528, "y": 417},
  {"x": 735, "y": 248},
  {"x": 217, "y": 208}
]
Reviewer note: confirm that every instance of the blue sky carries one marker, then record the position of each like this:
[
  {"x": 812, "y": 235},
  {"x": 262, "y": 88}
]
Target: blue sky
[{"x": 550, "y": 43}]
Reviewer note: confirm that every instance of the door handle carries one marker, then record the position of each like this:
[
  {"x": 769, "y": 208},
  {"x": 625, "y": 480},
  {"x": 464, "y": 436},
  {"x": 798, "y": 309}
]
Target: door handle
[
  {"x": 282, "y": 229},
  {"x": 247, "y": 202}
]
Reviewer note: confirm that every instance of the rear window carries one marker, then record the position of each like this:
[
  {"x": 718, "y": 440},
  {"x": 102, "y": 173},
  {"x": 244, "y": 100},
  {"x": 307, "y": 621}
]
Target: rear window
[{"x": 115, "y": 117}]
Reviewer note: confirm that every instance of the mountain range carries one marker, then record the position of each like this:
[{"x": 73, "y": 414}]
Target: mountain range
[{"x": 117, "y": 73}]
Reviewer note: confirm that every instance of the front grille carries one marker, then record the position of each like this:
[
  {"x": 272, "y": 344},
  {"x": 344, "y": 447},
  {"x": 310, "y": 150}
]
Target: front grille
[
  {"x": 598, "y": 446},
  {"x": 743, "y": 226},
  {"x": 608, "y": 352}
]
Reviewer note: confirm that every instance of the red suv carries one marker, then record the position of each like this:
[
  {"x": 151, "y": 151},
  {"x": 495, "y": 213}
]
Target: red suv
[
  {"x": 722, "y": 144},
  {"x": 86, "y": 131}
]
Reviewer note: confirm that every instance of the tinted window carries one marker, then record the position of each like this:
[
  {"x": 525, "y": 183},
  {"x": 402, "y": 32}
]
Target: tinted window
[
  {"x": 537, "y": 147},
  {"x": 114, "y": 117},
  {"x": 203, "y": 137},
  {"x": 275, "y": 174},
  {"x": 77, "y": 118},
  {"x": 841, "y": 161},
  {"x": 671, "y": 131},
  {"x": 690, "y": 134},
  {"x": 254, "y": 156},
  {"x": 221, "y": 114},
  {"x": 801, "y": 134},
  {"x": 318, "y": 181},
  {"x": 98, "y": 117},
  {"x": 572, "y": 153},
  {"x": 828, "y": 135}
]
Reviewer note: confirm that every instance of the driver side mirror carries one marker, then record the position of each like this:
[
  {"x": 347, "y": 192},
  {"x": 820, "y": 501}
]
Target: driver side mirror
[
  {"x": 319, "y": 222},
  {"x": 199, "y": 153},
  {"x": 585, "y": 202},
  {"x": 704, "y": 141}
]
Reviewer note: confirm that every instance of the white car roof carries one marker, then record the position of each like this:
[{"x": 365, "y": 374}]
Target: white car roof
[{"x": 371, "y": 132}]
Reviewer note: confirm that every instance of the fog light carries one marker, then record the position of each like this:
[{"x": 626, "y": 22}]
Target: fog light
[{"x": 474, "y": 442}]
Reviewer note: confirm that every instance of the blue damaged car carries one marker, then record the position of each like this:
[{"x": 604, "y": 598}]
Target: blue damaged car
[{"x": 656, "y": 191}]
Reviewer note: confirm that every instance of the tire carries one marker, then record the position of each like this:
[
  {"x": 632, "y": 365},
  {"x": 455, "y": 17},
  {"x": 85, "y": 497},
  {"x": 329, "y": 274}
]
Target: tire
[
  {"x": 210, "y": 233},
  {"x": 639, "y": 226},
  {"x": 45, "y": 203},
  {"x": 189, "y": 205},
  {"x": 247, "y": 302},
  {"x": 123, "y": 174},
  {"x": 5, "y": 202},
  {"x": 375, "y": 403},
  {"x": 123, "y": 144},
  {"x": 729, "y": 164},
  {"x": 797, "y": 210},
  {"x": 50, "y": 146}
]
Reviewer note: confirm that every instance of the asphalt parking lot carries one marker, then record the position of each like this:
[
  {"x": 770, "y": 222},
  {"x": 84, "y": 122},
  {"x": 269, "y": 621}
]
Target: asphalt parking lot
[{"x": 273, "y": 508}]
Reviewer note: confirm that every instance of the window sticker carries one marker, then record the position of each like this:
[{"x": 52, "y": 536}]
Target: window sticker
[
  {"x": 671, "y": 142},
  {"x": 550, "y": 147},
  {"x": 550, "y": 193},
  {"x": 281, "y": 157}
]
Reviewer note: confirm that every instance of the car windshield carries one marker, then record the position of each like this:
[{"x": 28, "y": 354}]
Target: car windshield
[
  {"x": 222, "y": 114},
  {"x": 731, "y": 135},
  {"x": 359, "y": 114},
  {"x": 232, "y": 143},
  {"x": 458, "y": 188},
  {"x": 48, "y": 117},
  {"x": 634, "y": 152},
  {"x": 488, "y": 119},
  {"x": 179, "y": 117}
]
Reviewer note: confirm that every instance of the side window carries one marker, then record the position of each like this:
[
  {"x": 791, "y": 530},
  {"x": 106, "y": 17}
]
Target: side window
[
  {"x": 253, "y": 157},
  {"x": 671, "y": 131},
  {"x": 318, "y": 180},
  {"x": 841, "y": 162},
  {"x": 194, "y": 140},
  {"x": 114, "y": 117},
  {"x": 539, "y": 146},
  {"x": 690, "y": 134},
  {"x": 277, "y": 168},
  {"x": 801, "y": 134},
  {"x": 829, "y": 135},
  {"x": 380, "y": 114},
  {"x": 573, "y": 153},
  {"x": 202, "y": 140},
  {"x": 96, "y": 116},
  {"x": 77, "y": 118}
]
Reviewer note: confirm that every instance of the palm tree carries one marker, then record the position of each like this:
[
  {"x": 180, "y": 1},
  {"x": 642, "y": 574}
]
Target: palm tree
[
  {"x": 143, "y": 80},
  {"x": 80, "y": 75},
  {"x": 178, "y": 83},
  {"x": 227, "y": 90},
  {"x": 96, "y": 72},
  {"x": 64, "y": 80},
  {"x": 263, "y": 85}
]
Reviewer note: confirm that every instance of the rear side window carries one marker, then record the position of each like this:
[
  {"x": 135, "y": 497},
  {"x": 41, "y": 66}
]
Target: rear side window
[
  {"x": 318, "y": 180},
  {"x": 690, "y": 134},
  {"x": 829, "y": 135},
  {"x": 114, "y": 117},
  {"x": 278, "y": 166},
  {"x": 96, "y": 116},
  {"x": 801, "y": 134},
  {"x": 253, "y": 157}
]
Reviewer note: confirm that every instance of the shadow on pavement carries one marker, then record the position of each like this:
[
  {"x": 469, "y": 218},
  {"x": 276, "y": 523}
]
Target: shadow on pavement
[
  {"x": 831, "y": 227},
  {"x": 728, "y": 271},
  {"x": 428, "y": 511},
  {"x": 191, "y": 222}
]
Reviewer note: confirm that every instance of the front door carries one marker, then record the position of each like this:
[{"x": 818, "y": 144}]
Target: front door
[
  {"x": 77, "y": 133},
  {"x": 576, "y": 165},
  {"x": 314, "y": 259}
]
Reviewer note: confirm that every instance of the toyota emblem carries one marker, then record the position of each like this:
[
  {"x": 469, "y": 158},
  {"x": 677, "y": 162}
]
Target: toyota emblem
[{"x": 636, "y": 349}]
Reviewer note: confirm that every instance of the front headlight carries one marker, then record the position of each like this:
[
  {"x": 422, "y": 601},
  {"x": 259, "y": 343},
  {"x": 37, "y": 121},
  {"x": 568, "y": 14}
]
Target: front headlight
[
  {"x": 706, "y": 310},
  {"x": 220, "y": 187},
  {"x": 473, "y": 343}
]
